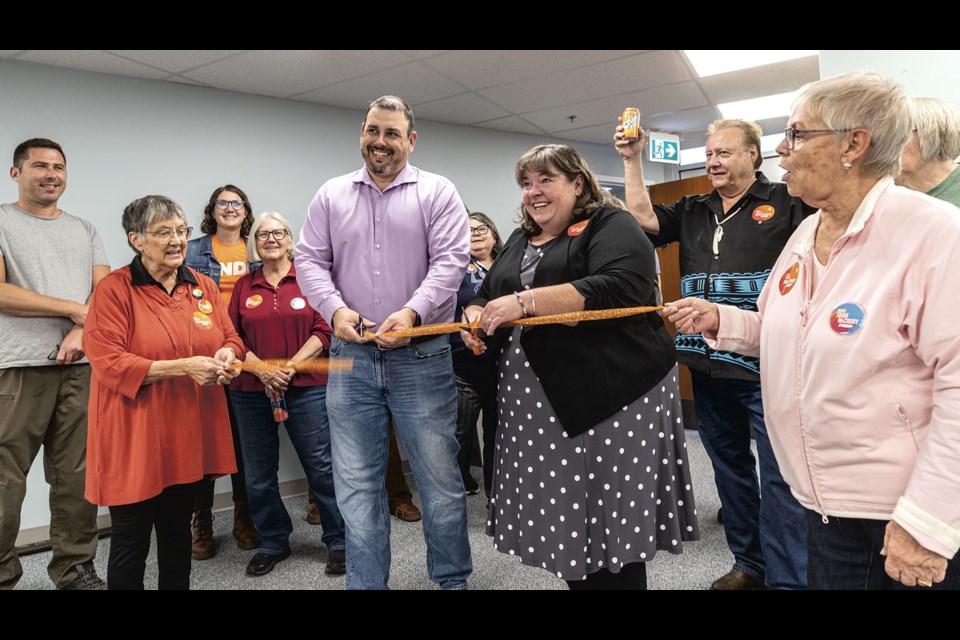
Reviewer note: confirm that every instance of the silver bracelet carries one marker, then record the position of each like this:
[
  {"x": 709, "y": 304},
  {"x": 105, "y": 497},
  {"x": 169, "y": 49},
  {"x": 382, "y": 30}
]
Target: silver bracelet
[
  {"x": 533, "y": 302},
  {"x": 523, "y": 307}
]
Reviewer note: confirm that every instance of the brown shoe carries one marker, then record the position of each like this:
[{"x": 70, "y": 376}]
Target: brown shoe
[
  {"x": 736, "y": 580},
  {"x": 406, "y": 511},
  {"x": 203, "y": 547},
  {"x": 243, "y": 529},
  {"x": 313, "y": 516}
]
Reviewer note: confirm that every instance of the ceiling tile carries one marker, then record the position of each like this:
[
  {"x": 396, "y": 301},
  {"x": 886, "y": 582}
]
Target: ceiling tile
[
  {"x": 91, "y": 60},
  {"x": 513, "y": 124},
  {"x": 11, "y": 53},
  {"x": 767, "y": 80},
  {"x": 502, "y": 67},
  {"x": 414, "y": 82},
  {"x": 175, "y": 61},
  {"x": 425, "y": 53},
  {"x": 599, "y": 134},
  {"x": 605, "y": 110},
  {"x": 688, "y": 120},
  {"x": 289, "y": 73},
  {"x": 613, "y": 77},
  {"x": 466, "y": 108}
]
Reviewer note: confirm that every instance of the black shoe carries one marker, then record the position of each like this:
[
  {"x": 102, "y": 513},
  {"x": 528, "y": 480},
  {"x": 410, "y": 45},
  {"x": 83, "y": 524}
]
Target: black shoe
[
  {"x": 336, "y": 563},
  {"x": 263, "y": 563},
  {"x": 86, "y": 580}
]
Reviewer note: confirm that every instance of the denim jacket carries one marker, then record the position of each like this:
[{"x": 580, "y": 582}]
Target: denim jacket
[{"x": 200, "y": 257}]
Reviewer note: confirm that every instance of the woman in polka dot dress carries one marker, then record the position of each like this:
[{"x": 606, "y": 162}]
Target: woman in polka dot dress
[{"x": 590, "y": 467}]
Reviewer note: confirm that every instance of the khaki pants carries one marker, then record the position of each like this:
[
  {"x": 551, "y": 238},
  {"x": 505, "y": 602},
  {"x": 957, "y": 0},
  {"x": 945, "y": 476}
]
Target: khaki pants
[{"x": 46, "y": 406}]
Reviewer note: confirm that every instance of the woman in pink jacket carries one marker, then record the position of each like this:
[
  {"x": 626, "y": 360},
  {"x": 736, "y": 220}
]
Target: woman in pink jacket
[{"x": 859, "y": 348}]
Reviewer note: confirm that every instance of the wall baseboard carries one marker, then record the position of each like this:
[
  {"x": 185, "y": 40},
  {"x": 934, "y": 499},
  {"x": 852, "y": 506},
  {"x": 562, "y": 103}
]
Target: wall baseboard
[{"x": 37, "y": 539}]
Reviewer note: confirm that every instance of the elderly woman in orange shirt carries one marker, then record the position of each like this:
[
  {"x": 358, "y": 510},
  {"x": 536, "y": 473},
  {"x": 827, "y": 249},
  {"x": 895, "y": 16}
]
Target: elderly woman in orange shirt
[{"x": 159, "y": 340}]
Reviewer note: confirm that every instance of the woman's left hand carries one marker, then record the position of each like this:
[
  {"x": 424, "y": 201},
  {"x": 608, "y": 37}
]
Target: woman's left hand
[
  {"x": 500, "y": 310},
  {"x": 908, "y": 562},
  {"x": 226, "y": 374}
]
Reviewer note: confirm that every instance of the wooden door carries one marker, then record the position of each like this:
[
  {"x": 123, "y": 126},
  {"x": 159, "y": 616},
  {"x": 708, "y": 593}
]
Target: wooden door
[{"x": 668, "y": 193}]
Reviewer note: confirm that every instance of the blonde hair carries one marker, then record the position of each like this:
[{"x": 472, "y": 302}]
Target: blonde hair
[
  {"x": 938, "y": 127},
  {"x": 253, "y": 255},
  {"x": 862, "y": 100},
  {"x": 751, "y": 134}
]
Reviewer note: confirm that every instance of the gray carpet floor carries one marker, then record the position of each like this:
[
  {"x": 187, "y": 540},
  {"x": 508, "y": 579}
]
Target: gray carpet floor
[{"x": 700, "y": 563}]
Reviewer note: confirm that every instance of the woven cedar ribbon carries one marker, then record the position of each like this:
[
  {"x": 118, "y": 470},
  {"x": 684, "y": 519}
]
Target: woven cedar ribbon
[
  {"x": 311, "y": 365},
  {"x": 556, "y": 318}
]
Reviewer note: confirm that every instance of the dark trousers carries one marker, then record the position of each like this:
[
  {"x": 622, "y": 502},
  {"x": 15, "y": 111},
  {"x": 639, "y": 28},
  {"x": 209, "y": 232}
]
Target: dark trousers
[
  {"x": 204, "y": 497},
  {"x": 844, "y": 554},
  {"x": 169, "y": 513},
  {"x": 476, "y": 396},
  {"x": 632, "y": 577}
]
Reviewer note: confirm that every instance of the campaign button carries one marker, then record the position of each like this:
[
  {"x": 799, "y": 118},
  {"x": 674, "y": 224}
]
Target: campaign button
[
  {"x": 205, "y": 306},
  {"x": 202, "y": 320},
  {"x": 577, "y": 229},
  {"x": 254, "y": 301},
  {"x": 763, "y": 212},
  {"x": 847, "y": 318},
  {"x": 298, "y": 303},
  {"x": 789, "y": 278},
  {"x": 197, "y": 293}
]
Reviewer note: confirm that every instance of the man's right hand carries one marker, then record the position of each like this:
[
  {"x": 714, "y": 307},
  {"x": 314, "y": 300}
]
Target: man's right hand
[
  {"x": 345, "y": 322},
  {"x": 628, "y": 149},
  {"x": 79, "y": 314}
]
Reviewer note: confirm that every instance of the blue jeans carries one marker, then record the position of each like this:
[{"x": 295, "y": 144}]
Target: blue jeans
[
  {"x": 767, "y": 537},
  {"x": 415, "y": 385},
  {"x": 845, "y": 554},
  {"x": 309, "y": 433}
]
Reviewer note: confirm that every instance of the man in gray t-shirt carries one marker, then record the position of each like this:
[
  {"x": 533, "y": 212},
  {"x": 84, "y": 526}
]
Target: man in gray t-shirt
[{"x": 49, "y": 263}]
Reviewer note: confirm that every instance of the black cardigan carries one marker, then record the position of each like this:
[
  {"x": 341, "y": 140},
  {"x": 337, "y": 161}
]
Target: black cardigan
[{"x": 592, "y": 370}]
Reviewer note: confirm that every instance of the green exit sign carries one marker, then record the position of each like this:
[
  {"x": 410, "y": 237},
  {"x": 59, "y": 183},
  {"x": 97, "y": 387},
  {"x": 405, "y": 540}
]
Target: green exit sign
[{"x": 664, "y": 147}]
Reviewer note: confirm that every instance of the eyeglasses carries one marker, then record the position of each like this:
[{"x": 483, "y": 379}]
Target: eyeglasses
[
  {"x": 791, "y": 133},
  {"x": 223, "y": 204},
  {"x": 278, "y": 234},
  {"x": 479, "y": 231},
  {"x": 164, "y": 235}
]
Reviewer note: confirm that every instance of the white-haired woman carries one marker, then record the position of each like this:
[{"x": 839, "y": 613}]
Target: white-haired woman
[
  {"x": 929, "y": 161},
  {"x": 274, "y": 321},
  {"x": 860, "y": 355},
  {"x": 158, "y": 339}
]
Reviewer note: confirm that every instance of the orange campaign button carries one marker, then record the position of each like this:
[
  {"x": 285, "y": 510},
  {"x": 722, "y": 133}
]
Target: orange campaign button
[
  {"x": 202, "y": 320},
  {"x": 205, "y": 306},
  {"x": 789, "y": 278},
  {"x": 577, "y": 229},
  {"x": 471, "y": 267},
  {"x": 254, "y": 301},
  {"x": 763, "y": 212}
]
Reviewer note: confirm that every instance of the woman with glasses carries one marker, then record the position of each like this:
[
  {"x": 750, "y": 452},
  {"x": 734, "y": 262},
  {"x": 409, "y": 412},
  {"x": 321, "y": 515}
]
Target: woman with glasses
[
  {"x": 476, "y": 387},
  {"x": 859, "y": 349},
  {"x": 221, "y": 254},
  {"x": 275, "y": 321},
  {"x": 159, "y": 341}
]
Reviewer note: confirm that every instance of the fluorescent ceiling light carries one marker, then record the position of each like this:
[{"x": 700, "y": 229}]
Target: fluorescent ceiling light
[
  {"x": 711, "y": 62},
  {"x": 759, "y": 108},
  {"x": 697, "y": 155}
]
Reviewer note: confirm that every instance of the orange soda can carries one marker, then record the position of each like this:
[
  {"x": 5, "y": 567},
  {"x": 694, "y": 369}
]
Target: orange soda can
[{"x": 631, "y": 123}]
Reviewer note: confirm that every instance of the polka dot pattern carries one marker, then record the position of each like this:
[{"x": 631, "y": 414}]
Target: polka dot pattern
[{"x": 618, "y": 499}]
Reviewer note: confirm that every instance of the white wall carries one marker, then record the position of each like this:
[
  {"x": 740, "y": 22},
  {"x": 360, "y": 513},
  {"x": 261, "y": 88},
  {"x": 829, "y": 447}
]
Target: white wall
[
  {"x": 125, "y": 138},
  {"x": 923, "y": 73}
]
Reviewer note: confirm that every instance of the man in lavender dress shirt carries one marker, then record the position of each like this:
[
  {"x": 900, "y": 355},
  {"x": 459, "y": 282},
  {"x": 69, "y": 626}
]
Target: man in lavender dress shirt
[{"x": 386, "y": 246}]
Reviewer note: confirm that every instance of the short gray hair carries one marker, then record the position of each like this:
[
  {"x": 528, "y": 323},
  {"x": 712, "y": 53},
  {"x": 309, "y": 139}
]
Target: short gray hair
[
  {"x": 393, "y": 103},
  {"x": 863, "y": 100},
  {"x": 143, "y": 212},
  {"x": 938, "y": 127},
  {"x": 252, "y": 254}
]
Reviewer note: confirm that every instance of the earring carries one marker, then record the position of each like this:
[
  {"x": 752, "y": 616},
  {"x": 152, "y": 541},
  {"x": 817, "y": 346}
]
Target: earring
[{"x": 847, "y": 166}]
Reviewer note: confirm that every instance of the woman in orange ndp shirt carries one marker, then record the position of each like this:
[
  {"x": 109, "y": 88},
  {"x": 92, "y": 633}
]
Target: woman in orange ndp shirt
[{"x": 158, "y": 339}]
